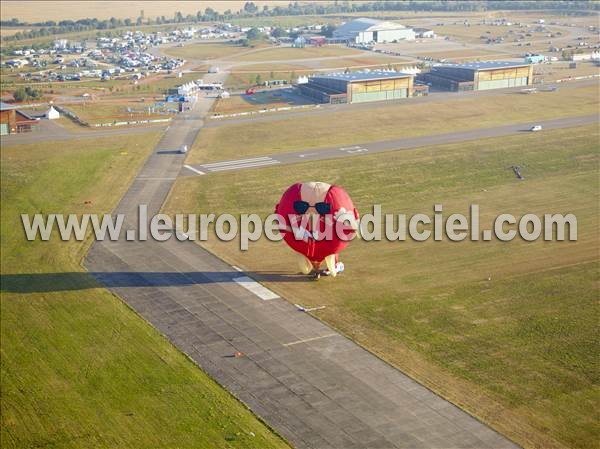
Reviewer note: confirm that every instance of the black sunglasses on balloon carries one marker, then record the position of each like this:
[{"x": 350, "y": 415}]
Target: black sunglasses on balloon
[{"x": 302, "y": 206}]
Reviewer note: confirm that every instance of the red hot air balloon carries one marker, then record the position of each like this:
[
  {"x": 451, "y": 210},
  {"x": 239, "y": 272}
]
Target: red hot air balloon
[{"x": 320, "y": 220}]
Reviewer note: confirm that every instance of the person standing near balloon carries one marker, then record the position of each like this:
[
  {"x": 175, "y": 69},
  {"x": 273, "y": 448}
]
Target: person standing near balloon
[{"x": 320, "y": 220}]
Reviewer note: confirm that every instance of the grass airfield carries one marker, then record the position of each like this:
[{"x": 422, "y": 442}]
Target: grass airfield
[
  {"x": 506, "y": 330},
  {"x": 206, "y": 50},
  {"x": 79, "y": 368},
  {"x": 388, "y": 121}
]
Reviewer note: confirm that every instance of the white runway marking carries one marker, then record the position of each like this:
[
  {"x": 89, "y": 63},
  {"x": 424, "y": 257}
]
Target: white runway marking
[
  {"x": 306, "y": 340},
  {"x": 237, "y": 268},
  {"x": 251, "y": 285},
  {"x": 189, "y": 167},
  {"x": 353, "y": 150},
  {"x": 240, "y": 164},
  {"x": 237, "y": 162}
]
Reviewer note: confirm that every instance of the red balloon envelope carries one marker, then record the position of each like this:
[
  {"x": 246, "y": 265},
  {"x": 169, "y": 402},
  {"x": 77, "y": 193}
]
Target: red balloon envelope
[{"x": 320, "y": 220}]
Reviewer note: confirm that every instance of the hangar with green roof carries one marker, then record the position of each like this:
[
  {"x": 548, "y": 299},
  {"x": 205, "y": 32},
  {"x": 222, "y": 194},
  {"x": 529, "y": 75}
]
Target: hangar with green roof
[{"x": 479, "y": 75}]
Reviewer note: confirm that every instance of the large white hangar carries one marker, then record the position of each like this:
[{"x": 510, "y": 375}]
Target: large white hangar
[{"x": 364, "y": 31}]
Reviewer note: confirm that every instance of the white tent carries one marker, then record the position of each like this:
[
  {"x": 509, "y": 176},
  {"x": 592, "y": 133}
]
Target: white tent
[{"x": 52, "y": 114}]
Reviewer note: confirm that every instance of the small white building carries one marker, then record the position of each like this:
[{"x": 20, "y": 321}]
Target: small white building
[
  {"x": 52, "y": 114},
  {"x": 424, "y": 33},
  {"x": 593, "y": 56},
  {"x": 365, "y": 31}
]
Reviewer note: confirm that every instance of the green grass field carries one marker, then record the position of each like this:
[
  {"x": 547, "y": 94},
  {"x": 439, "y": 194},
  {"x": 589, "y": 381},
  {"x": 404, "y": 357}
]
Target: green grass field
[
  {"x": 206, "y": 50},
  {"x": 506, "y": 330},
  {"x": 245, "y": 80},
  {"x": 237, "y": 103},
  {"x": 473, "y": 33},
  {"x": 284, "y": 53},
  {"x": 389, "y": 122},
  {"x": 114, "y": 88},
  {"x": 355, "y": 62},
  {"x": 78, "y": 367},
  {"x": 108, "y": 111}
]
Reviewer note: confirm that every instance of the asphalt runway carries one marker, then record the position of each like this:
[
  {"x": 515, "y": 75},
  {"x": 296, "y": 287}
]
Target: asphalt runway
[
  {"x": 315, "y": 387},
  {"x": 296, "y": 157}
]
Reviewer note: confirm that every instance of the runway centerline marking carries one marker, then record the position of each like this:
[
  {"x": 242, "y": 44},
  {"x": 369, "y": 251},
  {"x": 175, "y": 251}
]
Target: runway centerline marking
[
  {"x": 245, "y": 165},
  {"x": 236, "y": 162},
  {"x": 307, "y": 340}
]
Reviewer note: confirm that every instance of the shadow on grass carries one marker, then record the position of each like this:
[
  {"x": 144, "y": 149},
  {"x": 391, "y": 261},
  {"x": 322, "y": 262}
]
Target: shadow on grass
[{"x": 72, "y": 281}]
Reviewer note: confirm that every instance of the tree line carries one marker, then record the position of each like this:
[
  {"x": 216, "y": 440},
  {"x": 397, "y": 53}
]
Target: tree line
[{"x": 250, "y": 9}]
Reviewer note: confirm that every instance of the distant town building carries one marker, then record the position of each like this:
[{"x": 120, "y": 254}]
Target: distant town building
[{"x": 365, "y": 31}]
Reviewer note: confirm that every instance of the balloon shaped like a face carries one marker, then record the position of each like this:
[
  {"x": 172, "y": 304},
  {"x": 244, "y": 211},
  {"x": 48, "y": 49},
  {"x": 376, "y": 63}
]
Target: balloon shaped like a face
[{"x": 320, "y": 220}]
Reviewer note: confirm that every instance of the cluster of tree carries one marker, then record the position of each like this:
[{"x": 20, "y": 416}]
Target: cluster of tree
[
  {"x": 26, "y": 93},
  {"x": 253, "y": 36},
  {"x": 327, "y": 30},
  {"x": 50, "y": 27}
]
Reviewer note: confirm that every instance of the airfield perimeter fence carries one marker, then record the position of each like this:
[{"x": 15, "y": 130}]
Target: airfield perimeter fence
[{"x": 82, "y": 122}]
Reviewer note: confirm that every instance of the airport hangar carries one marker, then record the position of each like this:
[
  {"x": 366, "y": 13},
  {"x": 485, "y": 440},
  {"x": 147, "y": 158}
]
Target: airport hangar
[
  {"x": 358, "y": 87},
  {"x": 479, "y": 75},
  {"x": 366, "y": 31}
]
